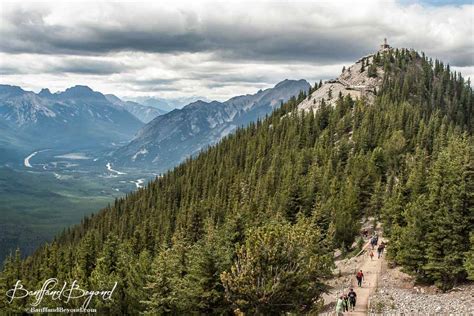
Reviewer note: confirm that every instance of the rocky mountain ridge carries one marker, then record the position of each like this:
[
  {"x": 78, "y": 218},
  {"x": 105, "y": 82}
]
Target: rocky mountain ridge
[
  {"x": 360, "y": 80},
  {"x": 172, "y": 137},
  {"x": 73, "y": 118},
  {"x": 143, "y": 112}
]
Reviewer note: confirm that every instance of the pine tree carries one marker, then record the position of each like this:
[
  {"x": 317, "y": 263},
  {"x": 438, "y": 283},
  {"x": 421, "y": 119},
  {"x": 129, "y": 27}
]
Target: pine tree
[
  {"x": 86, "y": 259},
  {"x": 208, "y": 258},
  {"x": 451, "y": 218},
  {"x": 469, "y": 260},
  {"x": 412, "y": 250},
  {"x": 9, "y": 276},
  {"x": 166, "y": 288},
  {"x": 134, "y": 273},
  {"x": 105, "y": 275},
  {"x": 345, "y": 217},
  {"x": 372, "y": 70},
  {"x": 278, "y": 269},
  {"x": 160, "y": 297}
]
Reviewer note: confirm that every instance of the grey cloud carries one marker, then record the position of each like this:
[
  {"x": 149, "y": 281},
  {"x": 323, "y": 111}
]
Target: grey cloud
[
  {"x": 203, "y": 50},
  {"x": 217, "y": 84},
  {"x": 9, "y": 70},
  {"x": 147, "y": 88},
  {"x": 91, "y": 67},
  {"x": 29, "y": 33},
  {"x": 297, "y": 39},
  {"x": 155, "y": 84},
  {"x": 155, "y": 81},
  {"x": 62, "y": 64},
  {"x": 228, "y": 77}
]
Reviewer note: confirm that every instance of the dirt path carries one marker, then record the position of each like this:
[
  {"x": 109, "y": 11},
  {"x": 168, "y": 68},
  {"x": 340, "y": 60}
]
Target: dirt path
[{"x": 371, "y": 269}]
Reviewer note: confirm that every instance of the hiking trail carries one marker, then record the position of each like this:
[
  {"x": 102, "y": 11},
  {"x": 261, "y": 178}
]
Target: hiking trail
[{"x": 371, "y": 269}]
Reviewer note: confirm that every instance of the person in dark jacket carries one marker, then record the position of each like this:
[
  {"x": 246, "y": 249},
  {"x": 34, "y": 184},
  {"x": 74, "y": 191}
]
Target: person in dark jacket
[{"x": 352, "y": 298}]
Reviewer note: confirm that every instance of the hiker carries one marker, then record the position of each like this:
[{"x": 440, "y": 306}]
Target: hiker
[
  {"x": 359, "y": 277},
  {"x": 346, "y": 303},
  {"x": 340, "y": 306},
  {"x": 352, "y": 298},
  {"x": 365, "y": 233},
  {"x": 382, "y": 244},
  {"x": 379, "y": 250},
  {"x": 373, "y": 242},
  {"x": 371, "y": 254}
]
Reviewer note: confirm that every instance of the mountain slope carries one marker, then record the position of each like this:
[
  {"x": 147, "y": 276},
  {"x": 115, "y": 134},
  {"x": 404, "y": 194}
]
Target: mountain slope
[
  {"x": 272, "y": 201},
  {"x": 168, "y": 104},
  {"x": 172, "y": 137},
  {"x": 142, "y": 112},
  {"x": 76, "y": 117}
]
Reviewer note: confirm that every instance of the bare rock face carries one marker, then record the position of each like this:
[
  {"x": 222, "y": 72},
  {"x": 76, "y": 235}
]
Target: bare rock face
[{"x": 355, "y": 81}]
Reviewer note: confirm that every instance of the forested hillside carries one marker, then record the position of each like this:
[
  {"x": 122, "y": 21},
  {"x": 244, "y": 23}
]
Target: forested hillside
[{"x": 251, "y": 223}]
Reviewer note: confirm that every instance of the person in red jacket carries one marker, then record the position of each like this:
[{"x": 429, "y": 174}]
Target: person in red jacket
[{"x": 359, "y": 277}]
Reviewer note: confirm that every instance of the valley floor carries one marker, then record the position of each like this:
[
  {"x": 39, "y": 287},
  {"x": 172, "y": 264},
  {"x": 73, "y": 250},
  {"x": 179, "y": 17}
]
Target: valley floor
[{"x": 54, "y": 190}]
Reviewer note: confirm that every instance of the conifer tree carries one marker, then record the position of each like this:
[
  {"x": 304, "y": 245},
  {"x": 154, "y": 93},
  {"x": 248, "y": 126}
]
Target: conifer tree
[
  {"x": 469, "y": 260},
  {"x": 451, "y": 218},
  {"x": 279, "y": 268},
  {"x": 10, "y": 274}
]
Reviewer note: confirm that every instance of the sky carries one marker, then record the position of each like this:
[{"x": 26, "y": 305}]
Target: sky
[{"x": 216, "y": 49}]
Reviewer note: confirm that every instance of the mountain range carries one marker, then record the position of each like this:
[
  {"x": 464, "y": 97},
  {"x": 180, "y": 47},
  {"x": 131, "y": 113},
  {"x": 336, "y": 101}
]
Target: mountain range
[
  {"x": 80, "y": 117},
  {"x": 167, "y": 104},
  {"x": 75, "y": 118},
  {"x": 170, "y": 138},
  {"x": 144, "y": 113}
]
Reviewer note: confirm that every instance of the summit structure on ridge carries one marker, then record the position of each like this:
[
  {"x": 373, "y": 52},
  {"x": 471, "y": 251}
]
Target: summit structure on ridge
[{"x": 360, "y": 80}]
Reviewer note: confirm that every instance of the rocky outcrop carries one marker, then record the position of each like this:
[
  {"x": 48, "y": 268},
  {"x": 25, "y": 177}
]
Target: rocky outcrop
[{"x": 354, "y": 81}]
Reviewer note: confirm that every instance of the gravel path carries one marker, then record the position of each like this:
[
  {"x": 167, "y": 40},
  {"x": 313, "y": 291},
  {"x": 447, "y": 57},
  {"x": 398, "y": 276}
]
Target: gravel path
[
  {"x": 371, "y": 269},
  {"x": 386, "y": 291}
]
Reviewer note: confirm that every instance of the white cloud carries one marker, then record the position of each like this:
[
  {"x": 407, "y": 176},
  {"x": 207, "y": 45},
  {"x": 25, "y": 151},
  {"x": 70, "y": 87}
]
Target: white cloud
[{"x": 214, "y": 49}]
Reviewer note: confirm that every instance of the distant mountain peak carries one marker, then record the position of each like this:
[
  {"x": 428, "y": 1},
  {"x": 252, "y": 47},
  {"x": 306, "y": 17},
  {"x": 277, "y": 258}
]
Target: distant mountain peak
[
  {"x": 80, "y": 88},
  {"x": 78, "y": 115},
  {"x": 45, "y": 92},
  {"x": 197, "y": 102},
  {"x": 113, "y": 98},
  {"x": 10, "y": 91},
  {"x": 283, "y": 82},
  {"x": 289, "y": 82},
  {"x": 80, "y": 91},
  {"x": 143, "y": 112}
]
